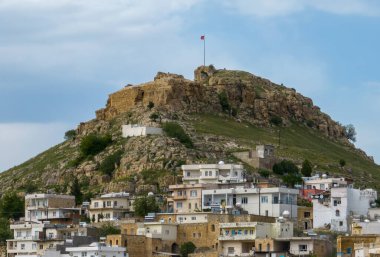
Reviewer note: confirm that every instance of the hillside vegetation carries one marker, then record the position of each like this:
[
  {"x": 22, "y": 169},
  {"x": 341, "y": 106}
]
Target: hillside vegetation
[{"x": 297, "y": 142}]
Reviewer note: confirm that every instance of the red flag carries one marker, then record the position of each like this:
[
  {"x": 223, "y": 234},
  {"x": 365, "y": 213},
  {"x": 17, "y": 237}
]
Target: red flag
[{"x": 203, "y": 37}]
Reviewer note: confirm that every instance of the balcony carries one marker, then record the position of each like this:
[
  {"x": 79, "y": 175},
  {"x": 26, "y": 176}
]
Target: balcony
[
  {"x": 236, "y": 237},
  {"x": 180, "y": 197}
]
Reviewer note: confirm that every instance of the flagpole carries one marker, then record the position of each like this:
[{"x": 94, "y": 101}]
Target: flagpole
[{"x": 204, "y": 52}]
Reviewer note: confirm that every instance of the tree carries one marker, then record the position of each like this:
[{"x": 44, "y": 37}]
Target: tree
[
  {"x": 307, "y": 168},
  {"x": 150, "y": 105},
  {"x": 94, "y": 144},
  {"x": 292, "y": 179},
  {"x": 144, "y": 205},
  {"x": 12, "y": 206},
  {"x": 107, "y": 166},
  {"x": 342, "y": 163},
  {"x": 350, "y": 132},
  {"x": 285, "y": 167},
  {"x": 173, "y": 129},
  {"x": 187, "y": 248},
  {"x": 108, "y": 229},
  {"x": 70, "y": 134},
  {"x": 154, "y": 116},
  {"x": 264, "y": 173},
  {"x": 5, "y": 232},
  {"x": 76, "y": 191}
]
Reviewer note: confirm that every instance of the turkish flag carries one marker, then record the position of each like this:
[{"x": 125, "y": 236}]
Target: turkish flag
[{"x": 203, "y": 37}]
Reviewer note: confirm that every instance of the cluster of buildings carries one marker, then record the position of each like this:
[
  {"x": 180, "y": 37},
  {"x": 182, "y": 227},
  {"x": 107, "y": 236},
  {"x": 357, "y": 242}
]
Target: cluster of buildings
[{"x": 217, "y": 210}]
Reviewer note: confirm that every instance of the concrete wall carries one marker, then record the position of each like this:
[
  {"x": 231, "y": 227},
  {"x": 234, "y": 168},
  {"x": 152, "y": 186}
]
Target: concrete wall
[{"x": 137, "y": 130}]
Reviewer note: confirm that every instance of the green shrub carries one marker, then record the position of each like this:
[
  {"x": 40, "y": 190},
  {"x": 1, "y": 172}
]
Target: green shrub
[
  {"x": 154, "y": 116},
  {"x": 310, "y": 123},
  {"x": 187, "y": 248},
  {"x": 108, "y": 229},
  {"x": 150, "y": 105},
  {"x": 173, "y": 129},
  {"x": 70, "y": 134},
  {"x": 307, "y": 168},
  {"x": 276, "y": 120},
  {"x": 144, "y": 205},
  {"x": 107, "y": 166},
  {"x": 285, "y": 167},
  {"x": 264, "y": 173},
  {"x": 94, "y": 144},
  {"x": 223, "y": 100}
]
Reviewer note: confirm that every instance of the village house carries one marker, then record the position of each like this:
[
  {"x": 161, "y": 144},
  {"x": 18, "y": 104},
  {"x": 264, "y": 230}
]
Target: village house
[
  {"x": 57, "y": 209},
  {"x": 304, "y": 218},
  {"x": 263, "y": 157},
  {"x": 272, "y": 201},
  {"x": 97, "y": 249},
  {"x": 334, "y": 208},
  {"x": 367, "y": 249},
  {"x": 112, "y": 206},
  {"x": 239, "y": 239},
  {"x": 346, "y": 244},
  {"x": 212, "y": 173}
]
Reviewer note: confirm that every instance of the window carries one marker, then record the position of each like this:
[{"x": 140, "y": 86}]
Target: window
[
  {"x": 34, "y": 246},
  {"x": 18, "y": 233},
  {"x": 322, "y": 186},
  {"x": 210, "y": 173},
  {"x": 196, "y": 206},
  {"x": 349, "y": 250},
  {"x": 84, "y": 254},
  {"x": 302, "y": 248},
  {"x": 337, "y": 201},
  {"x": 308, "y": 187},
  {"x": 264, "y": 199},
  {"x": 108, "y": 203},
  {"x": 341, "y": 223},
  {"x": 41, "y": 247},
  {"x": 179, "y": 205},
  {"x": 187, "y": 173},
  {"x": 275, "y": 199},
  {"x": 212, "y": 227},
  {"x": 306, "y": 214},
  {"x": 337, "y": 213},
  {"x": 189, "y": 206},
  {"x": 193, "y": 193},
  {"x": 114, "y": 203},
  {"x": 167, "y": 232},
  {"x": 193, "y": 218},
  {"x": 96, "y": 204},
  {"x": 179, "y": 193},
  {"x": 260, "y": 247},
  {"x": 54, "y": 213},
  {"x": 244, "y": 200},
  {"x": 22, "y": 246},
  {"x": 231, "y": 250}
]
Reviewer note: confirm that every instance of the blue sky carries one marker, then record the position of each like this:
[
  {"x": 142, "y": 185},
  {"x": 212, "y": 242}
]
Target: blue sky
[{"x": 60, "y": 59}]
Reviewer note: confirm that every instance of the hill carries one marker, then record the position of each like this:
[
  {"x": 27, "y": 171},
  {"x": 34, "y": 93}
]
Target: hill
[{"x": 222, "y": 111}]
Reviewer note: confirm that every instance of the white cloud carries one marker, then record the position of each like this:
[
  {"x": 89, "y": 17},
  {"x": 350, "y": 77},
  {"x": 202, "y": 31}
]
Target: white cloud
[
  {"x": 21, "y": 141},
  {"x": 272, "y": 8}
]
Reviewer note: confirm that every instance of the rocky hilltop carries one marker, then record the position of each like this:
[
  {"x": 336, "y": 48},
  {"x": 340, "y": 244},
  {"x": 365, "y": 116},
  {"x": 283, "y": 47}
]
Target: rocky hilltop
[
  {"x": 222, "y": 111},
  {"x": 254, "y": 99}
]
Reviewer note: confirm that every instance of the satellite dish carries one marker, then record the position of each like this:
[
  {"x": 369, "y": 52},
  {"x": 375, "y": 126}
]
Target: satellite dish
[
  {"x": 321, "y": 197},
  {"x": 286, "y": 214}
]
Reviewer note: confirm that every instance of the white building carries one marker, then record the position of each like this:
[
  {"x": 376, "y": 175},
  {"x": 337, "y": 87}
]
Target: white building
[
  {"x": 97, "y": 249},
  {"x": 324, "y": 182},
  {"x": 259, "y": 201},
  {"x": 163, "y": 231},
  {"x": 334, "y": 208},
  {"x": 212, "y": 173},
  {"x": 238, "y": 239},
  {"x": 108, "y": 207},
  {"x": 50, "y": 207},
  {"x": 135, "y": 130}
]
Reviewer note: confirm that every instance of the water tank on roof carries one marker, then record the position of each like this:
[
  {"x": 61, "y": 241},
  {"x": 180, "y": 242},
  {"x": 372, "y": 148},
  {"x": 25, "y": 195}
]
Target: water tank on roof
[
  {"x": 286, "y": 214},
  {"x": 221, "y": 162},
  {"x": 324, "y": 176},
  {"x": 150, "y": 194}
]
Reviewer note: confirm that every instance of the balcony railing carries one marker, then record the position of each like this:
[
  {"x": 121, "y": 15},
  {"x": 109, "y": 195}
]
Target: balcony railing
[{"x": 236, "y": 237}]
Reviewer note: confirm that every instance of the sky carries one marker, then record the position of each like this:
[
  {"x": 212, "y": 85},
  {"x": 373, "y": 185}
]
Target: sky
[{"x": 60, "y": 59}]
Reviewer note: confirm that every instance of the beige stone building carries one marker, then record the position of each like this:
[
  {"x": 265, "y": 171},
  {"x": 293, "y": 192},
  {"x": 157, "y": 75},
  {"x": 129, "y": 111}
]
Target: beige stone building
[
  {"x": 263, "y": 157},
  {"x": 187, "y": 198},
  {"x": 304, "y": 218},
  {"x": 109, "y": 207}
]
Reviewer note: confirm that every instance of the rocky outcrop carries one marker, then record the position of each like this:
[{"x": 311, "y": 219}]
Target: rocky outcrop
[{"x": 252, "y": 98}]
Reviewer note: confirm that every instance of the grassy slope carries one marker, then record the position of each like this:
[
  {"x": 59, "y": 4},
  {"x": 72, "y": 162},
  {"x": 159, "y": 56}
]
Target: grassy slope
[{"x": 297, "y": 143}]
